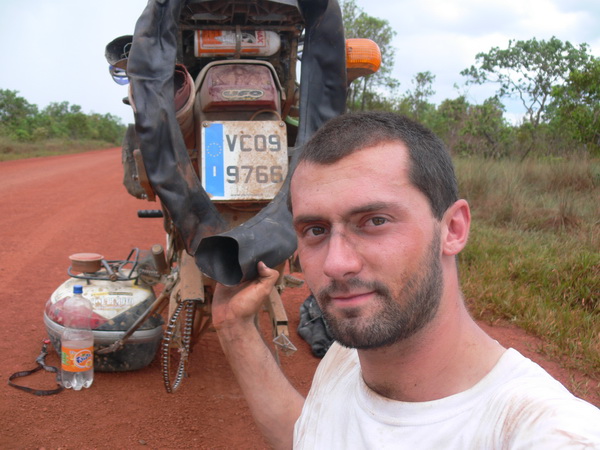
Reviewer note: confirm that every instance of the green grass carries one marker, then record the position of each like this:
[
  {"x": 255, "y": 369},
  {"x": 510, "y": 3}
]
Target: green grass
[
  {"x": 534, "y": 252},
  {"x": 11, "y": 150}
]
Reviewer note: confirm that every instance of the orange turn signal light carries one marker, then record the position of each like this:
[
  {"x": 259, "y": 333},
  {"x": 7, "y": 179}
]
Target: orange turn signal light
[{"x": 363, "y": 57}]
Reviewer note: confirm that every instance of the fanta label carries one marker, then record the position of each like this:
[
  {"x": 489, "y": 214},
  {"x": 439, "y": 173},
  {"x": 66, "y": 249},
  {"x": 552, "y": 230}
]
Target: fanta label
[{"x": 77, "y": 359}]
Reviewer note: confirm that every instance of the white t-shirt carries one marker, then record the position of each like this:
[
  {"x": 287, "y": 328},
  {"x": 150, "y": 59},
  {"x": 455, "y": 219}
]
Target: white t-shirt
[{"x": 518, "y": 405}]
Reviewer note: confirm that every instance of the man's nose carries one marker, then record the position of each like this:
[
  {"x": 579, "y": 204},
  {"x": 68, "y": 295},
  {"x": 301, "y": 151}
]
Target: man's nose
[{"x": 343, "y": 259}]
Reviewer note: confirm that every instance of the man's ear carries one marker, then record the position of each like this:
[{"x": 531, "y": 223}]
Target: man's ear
[{"x": 455, "y": 227}]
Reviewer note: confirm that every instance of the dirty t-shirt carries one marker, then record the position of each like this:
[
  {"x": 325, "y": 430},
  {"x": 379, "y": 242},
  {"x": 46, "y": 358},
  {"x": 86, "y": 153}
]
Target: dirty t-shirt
[{"x": 518, "y": 405}]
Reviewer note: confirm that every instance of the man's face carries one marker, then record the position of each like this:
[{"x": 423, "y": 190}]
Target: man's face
[{"x": 369, "y": 246}]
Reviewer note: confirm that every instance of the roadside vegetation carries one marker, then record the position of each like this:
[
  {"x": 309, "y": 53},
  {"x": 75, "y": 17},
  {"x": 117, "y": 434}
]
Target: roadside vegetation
[
  {"x": 533, "y": 257},
  {"x": 27, "y": 132}
]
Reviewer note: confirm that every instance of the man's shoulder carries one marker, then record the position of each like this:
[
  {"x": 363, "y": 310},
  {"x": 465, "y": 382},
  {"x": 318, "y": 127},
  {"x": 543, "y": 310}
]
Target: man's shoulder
[
  {"x": 529, "y": 405},
  {"x": 518, "y": 380},
  {"x": 529, "y": 376}
]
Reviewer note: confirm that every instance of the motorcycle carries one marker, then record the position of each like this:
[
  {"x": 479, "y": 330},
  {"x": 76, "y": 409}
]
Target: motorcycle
[{"x": 220, "y": 118}]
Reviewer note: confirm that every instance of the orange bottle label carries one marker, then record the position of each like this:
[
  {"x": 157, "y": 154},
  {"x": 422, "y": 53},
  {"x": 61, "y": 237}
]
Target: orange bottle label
[{"x": 77, "y": 359}]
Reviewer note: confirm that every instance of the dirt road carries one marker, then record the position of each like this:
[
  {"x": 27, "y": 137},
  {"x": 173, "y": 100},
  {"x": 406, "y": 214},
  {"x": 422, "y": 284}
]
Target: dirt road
[{"x": 53, "y": 207}]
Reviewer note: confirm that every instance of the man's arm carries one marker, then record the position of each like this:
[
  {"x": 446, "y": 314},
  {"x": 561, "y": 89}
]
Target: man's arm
[{"x": 273, "y": 401}]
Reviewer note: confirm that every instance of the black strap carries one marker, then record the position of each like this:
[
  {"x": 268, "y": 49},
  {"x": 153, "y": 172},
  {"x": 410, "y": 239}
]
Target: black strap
[{"x": 40, "y": 360}]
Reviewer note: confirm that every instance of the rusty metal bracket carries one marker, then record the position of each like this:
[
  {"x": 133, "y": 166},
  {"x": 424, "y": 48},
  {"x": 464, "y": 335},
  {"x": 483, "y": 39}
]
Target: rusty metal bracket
[{"x": 143, "y": 176}]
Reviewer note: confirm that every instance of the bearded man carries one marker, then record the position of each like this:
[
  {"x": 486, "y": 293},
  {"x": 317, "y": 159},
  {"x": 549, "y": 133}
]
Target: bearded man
[{"x": 379, "y": 223}]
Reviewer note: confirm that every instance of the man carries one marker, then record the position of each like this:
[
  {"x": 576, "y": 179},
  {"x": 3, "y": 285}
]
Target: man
[{"x": 379, "y": 224}]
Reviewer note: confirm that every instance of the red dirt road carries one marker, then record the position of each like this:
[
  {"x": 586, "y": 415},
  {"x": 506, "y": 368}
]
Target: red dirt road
[{"x": 54, "y": 207}]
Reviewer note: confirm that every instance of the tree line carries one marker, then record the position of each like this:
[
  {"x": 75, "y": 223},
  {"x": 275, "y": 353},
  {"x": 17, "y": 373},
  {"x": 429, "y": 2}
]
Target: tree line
[
  {"x": 557, "y": 83},
  {"x": 25, "y": 122}
]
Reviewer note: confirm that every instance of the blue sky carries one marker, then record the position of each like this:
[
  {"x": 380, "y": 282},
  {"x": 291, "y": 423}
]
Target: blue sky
[{"x": 53, "y": 51}]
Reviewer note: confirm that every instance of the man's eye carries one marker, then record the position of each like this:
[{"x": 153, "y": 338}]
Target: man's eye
[
  {"x": 315, "y": 231},
  {"x": 378, "y": 221}
]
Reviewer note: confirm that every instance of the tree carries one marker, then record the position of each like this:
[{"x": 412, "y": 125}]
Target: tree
[
  {"x": 16, "y": 114},
  {"x": 449, "y": 120},
  {"x": 486, "y": 122},
  {"x": 53, "y": 119},
  {"x": 576, "y": 105},
  {"x": 23, "y": 121},
  {"x": 417, "y": 100},
  {"x": 529, "y": 70},
  {"x": 363, "y": 92},
  {"x": 472, "y": 129}
]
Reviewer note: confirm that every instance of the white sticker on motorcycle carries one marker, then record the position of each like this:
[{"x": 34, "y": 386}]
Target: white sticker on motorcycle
[{"x": 243, "y": 160}]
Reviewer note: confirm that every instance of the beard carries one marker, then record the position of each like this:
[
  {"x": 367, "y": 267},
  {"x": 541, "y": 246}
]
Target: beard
[{"x": 397, "y": 316}]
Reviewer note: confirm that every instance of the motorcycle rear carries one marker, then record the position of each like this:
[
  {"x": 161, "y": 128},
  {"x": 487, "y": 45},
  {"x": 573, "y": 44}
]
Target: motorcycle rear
[{"x": 216, "y": 130}]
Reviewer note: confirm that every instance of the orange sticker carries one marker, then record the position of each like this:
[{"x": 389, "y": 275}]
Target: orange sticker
[{"x": 77, "y": 359}]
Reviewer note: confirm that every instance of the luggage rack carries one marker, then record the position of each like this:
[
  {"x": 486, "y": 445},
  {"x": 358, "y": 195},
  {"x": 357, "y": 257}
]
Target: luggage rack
[{"x": 93, "y": 266}]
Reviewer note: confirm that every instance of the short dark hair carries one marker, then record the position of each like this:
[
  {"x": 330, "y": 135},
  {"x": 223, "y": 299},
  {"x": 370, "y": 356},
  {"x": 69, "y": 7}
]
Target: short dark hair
[{"x": 430, "y": 170}]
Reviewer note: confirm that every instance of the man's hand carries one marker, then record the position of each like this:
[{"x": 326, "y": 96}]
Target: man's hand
[
  {"x": 273, "y": 401},
  {"x": 238, "y": 305}
]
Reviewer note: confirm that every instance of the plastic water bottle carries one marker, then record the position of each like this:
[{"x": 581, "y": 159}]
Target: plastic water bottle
[{"x": 77, "y": 342}]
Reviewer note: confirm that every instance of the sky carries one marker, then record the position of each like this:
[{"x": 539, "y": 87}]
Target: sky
[{"x": 53, "y": 51}]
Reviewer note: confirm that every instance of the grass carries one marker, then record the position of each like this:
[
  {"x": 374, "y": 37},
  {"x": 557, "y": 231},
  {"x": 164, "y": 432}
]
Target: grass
[
  {"x": 534, "y": 252},
  {"x": 11, "y": 150}
]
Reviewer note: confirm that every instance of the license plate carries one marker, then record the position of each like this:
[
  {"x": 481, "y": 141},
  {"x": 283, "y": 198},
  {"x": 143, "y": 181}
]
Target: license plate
[{"x": 243, "y": 160}]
